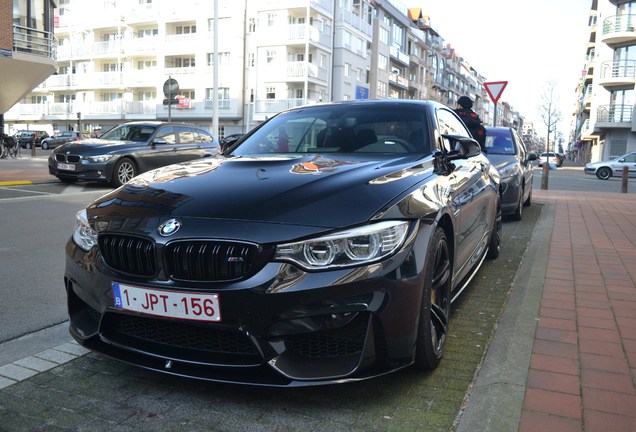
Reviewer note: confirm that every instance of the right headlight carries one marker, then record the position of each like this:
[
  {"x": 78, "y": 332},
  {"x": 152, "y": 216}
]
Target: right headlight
[
  {"x": 84, "y": 236},
  {"x": 357, "y": 246}
]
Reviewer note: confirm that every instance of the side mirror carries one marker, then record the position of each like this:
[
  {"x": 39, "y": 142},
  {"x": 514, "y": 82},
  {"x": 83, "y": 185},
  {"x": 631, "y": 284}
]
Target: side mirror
[
  {"x": 159, "y": 141},
  {"x": 463, "y": 147},
  {"x": 532, "y": 156}
]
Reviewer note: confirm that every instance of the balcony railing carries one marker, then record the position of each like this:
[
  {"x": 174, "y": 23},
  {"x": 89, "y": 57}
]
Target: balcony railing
[
  {"x": 619, "y": 24},
  {"x": 32, "y": 41},
  {"x": 619, "y": 29},
  {"x": 618, "y": 72},
  {"x": 614, "y": 113}
]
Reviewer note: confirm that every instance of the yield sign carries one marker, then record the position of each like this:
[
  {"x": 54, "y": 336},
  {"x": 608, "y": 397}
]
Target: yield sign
[{"x": 495, "y": 89}]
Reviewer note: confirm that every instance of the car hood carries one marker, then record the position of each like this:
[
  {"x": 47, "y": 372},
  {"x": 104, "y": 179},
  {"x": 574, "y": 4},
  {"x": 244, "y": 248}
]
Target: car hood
[{"x": 311, "y": 190}]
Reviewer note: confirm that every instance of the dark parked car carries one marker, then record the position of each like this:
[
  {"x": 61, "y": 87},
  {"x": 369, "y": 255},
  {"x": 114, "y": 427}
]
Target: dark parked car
[
  {"x": 508, "y": 153},
  {"x": 28, "y": 138},
  {"x": 326, "y": 246},
  {"x": 61, "y": 138},
  {"x": 604, "y": 170},
  {"x": 130, "y": 149}
]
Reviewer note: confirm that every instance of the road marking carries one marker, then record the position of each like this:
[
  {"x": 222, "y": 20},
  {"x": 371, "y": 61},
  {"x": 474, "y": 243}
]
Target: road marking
[{"x": 16, "y": 183}]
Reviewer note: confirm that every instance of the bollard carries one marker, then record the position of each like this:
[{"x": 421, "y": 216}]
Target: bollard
[
  {"x": 33, "y": 149},
  {"x": 545, "y": 176},
  {"x": 625, "y": 178}
]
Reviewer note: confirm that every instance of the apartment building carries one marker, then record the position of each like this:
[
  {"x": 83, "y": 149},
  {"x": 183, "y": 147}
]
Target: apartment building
[
  {"x": 604, "y": 126},
  {"x": 27, "y": 49},
  {"x": 116, "y": 56}
]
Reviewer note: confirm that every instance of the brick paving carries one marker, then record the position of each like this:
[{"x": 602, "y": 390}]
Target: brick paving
[{"x": 583, "y": 364}]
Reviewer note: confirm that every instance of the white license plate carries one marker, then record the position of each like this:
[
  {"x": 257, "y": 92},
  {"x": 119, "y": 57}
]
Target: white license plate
[
  {"x": 172, "y": 304},
  {"x": 66, "y": 167}
]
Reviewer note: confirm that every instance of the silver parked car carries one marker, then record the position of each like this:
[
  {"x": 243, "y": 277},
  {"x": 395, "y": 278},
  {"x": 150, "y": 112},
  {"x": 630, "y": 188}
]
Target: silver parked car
[
  {"x": 507, "y": 152},
  {"x": 613, "y": 167}
]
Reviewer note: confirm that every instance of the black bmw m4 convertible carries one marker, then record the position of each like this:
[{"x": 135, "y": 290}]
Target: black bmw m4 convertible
[{"x": 324, "y": 246}]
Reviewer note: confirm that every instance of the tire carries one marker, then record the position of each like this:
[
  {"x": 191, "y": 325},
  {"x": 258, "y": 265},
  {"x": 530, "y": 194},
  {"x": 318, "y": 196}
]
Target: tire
[
  {"x": 125, "y": 169},
  {"x": 494, "y": 245},
  {"x": 603, "y": 173},
  {"x": 528, "y": 201},
  {"x": 434, "y": 317},
  {"x": 45, "y": 145},
  {"x": 518, "y": 214}
]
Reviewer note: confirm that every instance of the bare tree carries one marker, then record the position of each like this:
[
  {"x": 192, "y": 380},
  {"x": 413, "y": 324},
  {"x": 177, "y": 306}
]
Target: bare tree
[{"x": 550, "y": 113}]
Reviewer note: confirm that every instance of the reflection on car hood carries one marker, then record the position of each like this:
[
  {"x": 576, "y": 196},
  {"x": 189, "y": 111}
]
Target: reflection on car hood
[
  {"x": 499, "y": 161},
  {"x": 312, "y": 190},
  {"x": 96, "y": 146}
]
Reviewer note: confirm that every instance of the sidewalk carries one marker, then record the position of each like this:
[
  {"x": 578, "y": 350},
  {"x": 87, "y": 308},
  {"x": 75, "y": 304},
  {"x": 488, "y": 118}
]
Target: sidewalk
[{"x": 564, "y": 356}]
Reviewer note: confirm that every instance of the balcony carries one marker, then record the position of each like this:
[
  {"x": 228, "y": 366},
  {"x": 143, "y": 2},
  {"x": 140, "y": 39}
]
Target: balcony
[
  {"x": 614, "y": 116},
  {"x": 619, "y": 29},
  {"x": 620, "y": 73},
  {"x": 398, "y": 80},
  {"x": 229, "y": 109},
  {"x": 25, "y": 65}
]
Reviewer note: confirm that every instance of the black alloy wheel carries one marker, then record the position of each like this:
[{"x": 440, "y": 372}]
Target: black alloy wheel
[
  {"x": 435, "y": 309},
  {"x": 603, "y": 173},
  {"x": 125, "y": 169}
]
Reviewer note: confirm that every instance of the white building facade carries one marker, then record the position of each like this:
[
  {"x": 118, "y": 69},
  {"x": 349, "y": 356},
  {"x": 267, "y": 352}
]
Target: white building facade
[{"x": 116, "y": 56}]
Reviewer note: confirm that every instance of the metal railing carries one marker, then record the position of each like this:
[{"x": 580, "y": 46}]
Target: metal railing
[
  {"x": 614, "y": 113},
  {"x": 619, "y": 24},
  {"x": 618, "y": 69},
  {"x": 32, "y": 41}
]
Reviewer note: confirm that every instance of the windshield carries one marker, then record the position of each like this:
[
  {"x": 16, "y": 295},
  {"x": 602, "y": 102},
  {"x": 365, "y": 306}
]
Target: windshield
[
  {"x": 127, "y": 132},
  {"x": 500, "y": 143},
  {"x": 341, "y": 129}
]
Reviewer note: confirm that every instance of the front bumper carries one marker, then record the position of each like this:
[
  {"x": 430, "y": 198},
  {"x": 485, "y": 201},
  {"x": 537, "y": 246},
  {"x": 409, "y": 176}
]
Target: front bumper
[
  {"x": 281, "y": 327},
  {"x": 511, "y": 189},
  {"x": 101, "y": 172}
]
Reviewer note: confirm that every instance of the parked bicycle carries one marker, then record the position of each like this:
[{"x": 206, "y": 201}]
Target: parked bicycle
[{"x": 9, "y": 147}]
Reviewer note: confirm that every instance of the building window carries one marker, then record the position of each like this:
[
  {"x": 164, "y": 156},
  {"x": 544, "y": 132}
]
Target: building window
[
  {"x": 270, "y": 93},
  {"x": 347, "y": 70},
  {"x": 251, "y": 25},
  {"x": 224, "y": 59},
  {"x": 271, "y": 55},
  {"x": 382, "y": 87},
  {"x": 323, "y": 61},
  {"x": 185, "y": 29},
  {"x": 383, "y": 62},
  {"x": 251, "y": 60},
  {"x": 384, "y": 36},
  {"x": 271, "y": 20}
]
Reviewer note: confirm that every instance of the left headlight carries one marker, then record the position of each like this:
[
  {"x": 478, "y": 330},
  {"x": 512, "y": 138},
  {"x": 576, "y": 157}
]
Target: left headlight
[
  {"x": 356, "y": 246},
  {"x": 84, "y": 236},
  {"x": 99, "y": 158}
]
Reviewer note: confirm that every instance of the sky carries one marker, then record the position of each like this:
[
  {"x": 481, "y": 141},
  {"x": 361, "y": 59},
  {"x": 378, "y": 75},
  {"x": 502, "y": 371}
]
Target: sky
[{"x": 527, "y": 43}]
